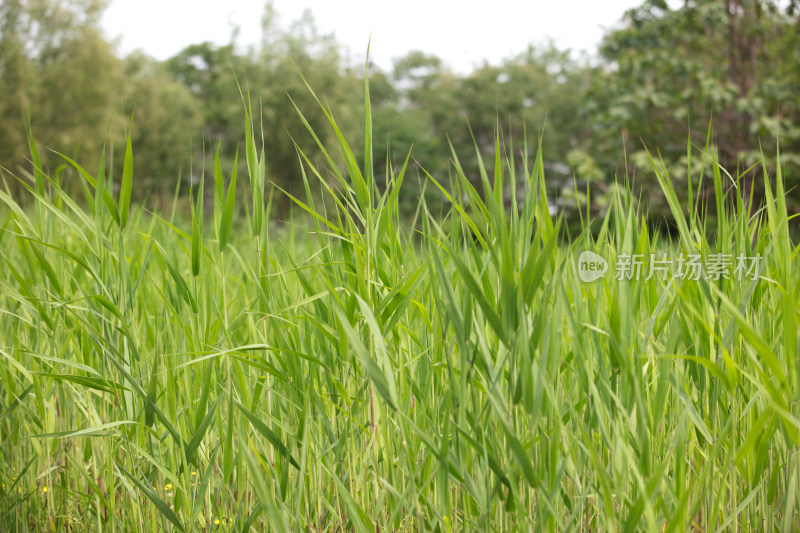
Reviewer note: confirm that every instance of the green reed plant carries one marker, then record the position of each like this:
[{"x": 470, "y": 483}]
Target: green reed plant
[{"x": 356, "y": 370}]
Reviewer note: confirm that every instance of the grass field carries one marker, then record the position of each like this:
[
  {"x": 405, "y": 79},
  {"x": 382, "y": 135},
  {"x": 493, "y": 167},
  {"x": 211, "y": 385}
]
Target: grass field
[{"x": 357, "y": 371}]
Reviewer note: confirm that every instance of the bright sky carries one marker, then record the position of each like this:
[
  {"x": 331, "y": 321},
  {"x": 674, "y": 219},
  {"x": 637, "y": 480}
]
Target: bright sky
[{"x": 462, "y": 33}]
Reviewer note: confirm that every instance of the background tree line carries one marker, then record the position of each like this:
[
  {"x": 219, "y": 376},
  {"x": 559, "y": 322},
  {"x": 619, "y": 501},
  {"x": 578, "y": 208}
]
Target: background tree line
[{"x": 663, "y": 73}]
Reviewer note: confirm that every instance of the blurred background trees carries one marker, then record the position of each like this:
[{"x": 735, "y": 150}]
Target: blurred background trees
[
  {"x": 55, "y": 64},
  {"x": 667, "y": 71},
  {"x": 663, "y": 72}
]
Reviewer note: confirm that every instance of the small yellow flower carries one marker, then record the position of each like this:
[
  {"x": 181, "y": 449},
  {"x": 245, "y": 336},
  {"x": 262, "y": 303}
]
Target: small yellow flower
[
  {"x": 168, "y": 486},
  {"x": 44, "y": 489},
  {"x": 194, "y": 473},
  {"x": 216, "y": 521}
]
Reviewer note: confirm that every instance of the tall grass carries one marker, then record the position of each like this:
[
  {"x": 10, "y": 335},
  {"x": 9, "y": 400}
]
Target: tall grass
[{"x": 357, "y": 370}]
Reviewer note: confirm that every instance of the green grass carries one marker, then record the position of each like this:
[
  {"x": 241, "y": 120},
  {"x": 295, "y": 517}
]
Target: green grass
[{"x": 355, "y": 370}]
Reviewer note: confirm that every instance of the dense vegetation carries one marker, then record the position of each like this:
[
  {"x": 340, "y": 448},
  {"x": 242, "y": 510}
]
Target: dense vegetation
[
  {"x": 662, "y": 72},
  {"x": 356, "y": 369},
  {"x": 310, "y": 326}
]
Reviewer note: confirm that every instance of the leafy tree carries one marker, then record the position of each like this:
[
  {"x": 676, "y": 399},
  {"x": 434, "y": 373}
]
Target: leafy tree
[
  {"x": 206, "y": 70},
  {"x": 536, "y": 91},
  {"x": 56, "y": 64},
  {"x": 271, "y": 74},
  {"x": 521, "y": 94},
  {"x": 167, "y": 123},
  {"x": 668, "y": 69},
  {"x": 16, "y": 75},
  {"x": 415, "y": 115}
]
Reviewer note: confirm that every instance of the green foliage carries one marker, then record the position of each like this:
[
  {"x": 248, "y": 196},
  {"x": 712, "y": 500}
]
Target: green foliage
[
  {"x": 57, "y": 66},
  {"x": 667, "y": 70},
  {"x": 358, "y": 370},
  {"x": 270, "y": 75},
  {"x": 664, "y": 70},
  {"x": 167, "y": 124}
]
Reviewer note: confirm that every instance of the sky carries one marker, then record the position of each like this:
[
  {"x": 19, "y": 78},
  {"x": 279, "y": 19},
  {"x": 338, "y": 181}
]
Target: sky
[{"x": 463, "y": 34}]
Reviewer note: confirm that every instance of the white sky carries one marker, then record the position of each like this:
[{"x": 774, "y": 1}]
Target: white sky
[{"x": 462, "y": 33}]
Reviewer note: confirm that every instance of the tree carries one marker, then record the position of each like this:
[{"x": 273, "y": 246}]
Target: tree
[
  {"x": 16, "y": 75},
  {"x": 55, "y": 64},
  {"x": 206, "y": 70},
  {"x": 166, "y": 124},
  {"x": 535, "y": 92},
  {"x": 271, "y": 74},
  {"x": 669, "y": 69}
]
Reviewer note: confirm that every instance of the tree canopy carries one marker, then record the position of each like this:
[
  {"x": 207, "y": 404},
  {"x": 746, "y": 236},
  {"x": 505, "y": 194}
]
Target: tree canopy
[{"x": 664, "y": 73}]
